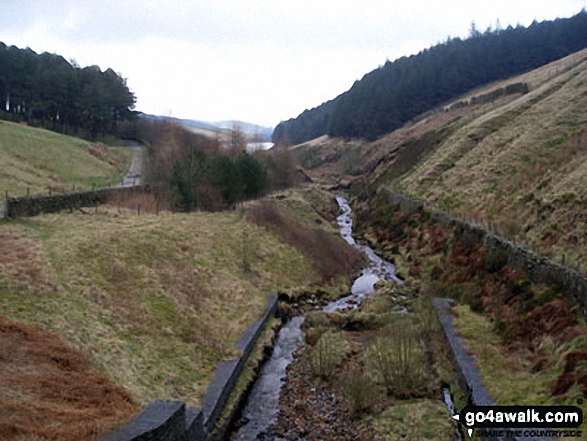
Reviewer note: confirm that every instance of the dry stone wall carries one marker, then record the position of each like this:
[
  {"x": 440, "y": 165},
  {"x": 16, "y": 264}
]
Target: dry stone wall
[
  {"x": 34, "y": 205},
  {"x": 539, "y": 269}
]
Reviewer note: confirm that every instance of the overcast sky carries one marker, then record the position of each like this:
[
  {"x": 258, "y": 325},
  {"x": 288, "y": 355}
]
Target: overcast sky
[{"x": 259, "y": 61}]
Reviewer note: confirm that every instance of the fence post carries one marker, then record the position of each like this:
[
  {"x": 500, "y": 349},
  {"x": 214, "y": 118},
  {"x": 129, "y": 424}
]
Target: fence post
[{"x": 138, "y": 209}]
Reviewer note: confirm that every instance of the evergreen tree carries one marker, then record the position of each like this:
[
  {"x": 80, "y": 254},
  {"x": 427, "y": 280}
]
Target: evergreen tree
[
  {"x": 388, "y": 97},
  {"x": 48, "y": 91}
]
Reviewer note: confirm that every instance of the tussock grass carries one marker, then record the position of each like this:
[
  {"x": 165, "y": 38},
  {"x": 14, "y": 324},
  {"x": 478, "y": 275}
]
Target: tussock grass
[
  {"x": 508, "y": 375},
  {"x": 332, "y": 257},
  {"x": 328, "y": 353},
  {"x": 154, "y": 302},
  {"x": 35, "y": 159},
  {"x": 417, "y": 419}
]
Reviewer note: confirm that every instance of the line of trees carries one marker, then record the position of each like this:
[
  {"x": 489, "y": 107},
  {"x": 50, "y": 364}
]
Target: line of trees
[
  {"x": 388, "y": 97},
  {"x": 191, "y": 171},
  {"x": 48, "y": 91}
]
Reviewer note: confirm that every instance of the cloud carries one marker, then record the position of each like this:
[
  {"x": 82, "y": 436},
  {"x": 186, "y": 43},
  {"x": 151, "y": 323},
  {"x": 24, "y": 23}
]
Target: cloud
[{"x": 259, "y": 60}]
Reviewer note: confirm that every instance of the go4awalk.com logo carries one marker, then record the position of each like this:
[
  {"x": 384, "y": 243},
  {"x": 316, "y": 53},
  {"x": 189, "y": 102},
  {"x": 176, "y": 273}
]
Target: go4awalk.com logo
[{"x": 521, "y": 421}]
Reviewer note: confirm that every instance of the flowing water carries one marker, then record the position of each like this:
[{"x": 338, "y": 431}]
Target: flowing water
[
  {"x": 447, "y": 398},
  {"x": 263, "y": 402},
  {"x": 377, "y": 270}
]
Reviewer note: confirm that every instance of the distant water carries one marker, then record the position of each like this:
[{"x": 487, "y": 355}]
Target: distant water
[{"x": 253, "y": 146}]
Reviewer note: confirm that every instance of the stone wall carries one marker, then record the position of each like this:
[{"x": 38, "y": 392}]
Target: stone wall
[
  {"x": 468, "y": 375},
  {"x": 510, "y": 89},
  {"x": 227, "y": 372},
  {"x": 520, "y": 257},
  {"x": 173, "y": 421},
  {"x": 162, "y": 420},
  {"x": 34, "y": 205}
]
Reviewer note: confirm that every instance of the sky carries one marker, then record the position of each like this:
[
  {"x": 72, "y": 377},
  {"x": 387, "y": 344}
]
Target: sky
[{"x": 259, "y": 61}]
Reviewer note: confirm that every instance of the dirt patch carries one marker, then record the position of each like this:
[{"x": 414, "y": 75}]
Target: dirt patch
[
  {"x": 48, "y": 391},
  {"x": 314, "y": 411}
]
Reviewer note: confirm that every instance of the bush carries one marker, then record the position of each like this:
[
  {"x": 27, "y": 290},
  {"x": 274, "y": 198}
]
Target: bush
[
  {"x": 327, "y": 353},
  {"x": 397, "y": 360},
  {"x": 358, "y": 389}
]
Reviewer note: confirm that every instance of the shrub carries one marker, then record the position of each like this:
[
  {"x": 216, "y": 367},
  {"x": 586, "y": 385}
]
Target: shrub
[
  {"x": 139, "y": 201},
  {"x": 397, "y": 360},
  {"x": 327, "y": 353},
  {"x": 359, "y": 390}
]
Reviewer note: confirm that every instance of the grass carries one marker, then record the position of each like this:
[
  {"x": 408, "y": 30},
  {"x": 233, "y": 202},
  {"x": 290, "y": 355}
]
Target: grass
[
  {"x": 379, "y": 368},
  {"x": 154, "y": 302},
  {"x": 328, "y": 353},
  {"x": 507, "y": 375},
  {"x": 32, "y": 160},
  {"x": 417, "y": 419},
  {"x": 43, "y": 379},
  {"x": 502, "y": 153},
  {"x": 331, "y": 255},
  {"x": 308, "y": 204}
]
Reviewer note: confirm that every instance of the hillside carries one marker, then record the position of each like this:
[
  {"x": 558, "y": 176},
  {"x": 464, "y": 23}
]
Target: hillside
[
  {"x": 154, "y": 302},
  {"x": 219, "y": 129},
  {"x": 35, "y": 160},
  {"x": 395, "y": 93},
  {"x": 516, "y": 162}
]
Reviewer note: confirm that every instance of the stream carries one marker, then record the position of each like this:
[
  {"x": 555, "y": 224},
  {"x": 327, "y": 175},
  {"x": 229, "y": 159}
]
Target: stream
[{"x": 263, "y": 401}]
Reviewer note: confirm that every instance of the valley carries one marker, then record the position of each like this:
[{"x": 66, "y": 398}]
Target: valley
[
  {"x": 520, "y": 156},
  {"x": 470, "y": 210}
]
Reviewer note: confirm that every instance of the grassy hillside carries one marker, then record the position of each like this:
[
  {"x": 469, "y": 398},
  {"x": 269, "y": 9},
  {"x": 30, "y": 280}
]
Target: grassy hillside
[
  {"x": 48, "y": 391},
  {"x": 36, "y": 159},
  {"x": 155, "y": 302},
  {"x": 517, "y": 163}
]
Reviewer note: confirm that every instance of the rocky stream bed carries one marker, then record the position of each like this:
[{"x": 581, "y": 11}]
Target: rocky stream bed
[{"x": 286, "y": 403}]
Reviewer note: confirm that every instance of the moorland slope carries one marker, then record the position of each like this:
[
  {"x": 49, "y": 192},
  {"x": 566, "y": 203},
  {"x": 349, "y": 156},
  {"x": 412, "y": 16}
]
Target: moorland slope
[
  {"x": 34, "y": 160},
  {"x": 515, "y": 161}
]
